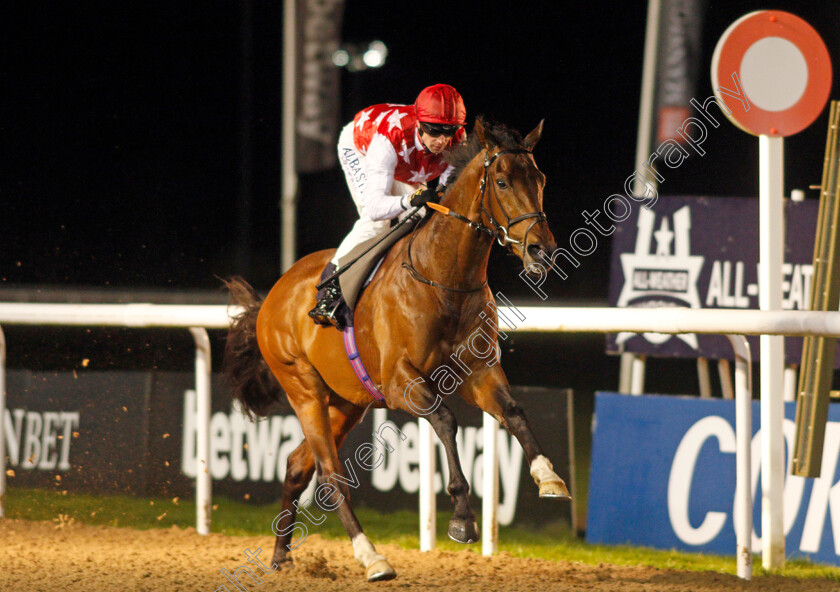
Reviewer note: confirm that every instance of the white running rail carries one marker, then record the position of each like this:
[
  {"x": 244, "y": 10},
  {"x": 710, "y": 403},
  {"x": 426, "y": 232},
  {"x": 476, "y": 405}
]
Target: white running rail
[
  {"x": 732, "y": 323},
  {"x": 196, "y": 318}
]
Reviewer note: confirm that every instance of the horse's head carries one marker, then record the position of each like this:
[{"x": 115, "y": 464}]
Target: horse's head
[{"x": 512, "y": 192}]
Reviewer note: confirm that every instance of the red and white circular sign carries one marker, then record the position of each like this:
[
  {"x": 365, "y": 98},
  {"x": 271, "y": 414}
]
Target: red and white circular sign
[{"x": 772, "y": 70}]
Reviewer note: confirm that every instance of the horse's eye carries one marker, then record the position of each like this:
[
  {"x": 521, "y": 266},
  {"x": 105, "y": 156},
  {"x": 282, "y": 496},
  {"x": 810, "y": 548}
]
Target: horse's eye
[{"x": 501, "y": 183}]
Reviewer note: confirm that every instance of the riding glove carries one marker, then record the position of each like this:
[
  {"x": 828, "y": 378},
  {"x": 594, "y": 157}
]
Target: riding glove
[{"x": 422, "y": 196}]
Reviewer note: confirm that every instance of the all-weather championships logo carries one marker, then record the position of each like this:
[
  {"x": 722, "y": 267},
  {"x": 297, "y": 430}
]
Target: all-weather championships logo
[{"x": 666, "y": 276}]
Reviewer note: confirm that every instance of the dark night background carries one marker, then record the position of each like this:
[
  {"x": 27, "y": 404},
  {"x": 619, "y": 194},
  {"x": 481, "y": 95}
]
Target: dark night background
[{"x": 122, "y": 128}]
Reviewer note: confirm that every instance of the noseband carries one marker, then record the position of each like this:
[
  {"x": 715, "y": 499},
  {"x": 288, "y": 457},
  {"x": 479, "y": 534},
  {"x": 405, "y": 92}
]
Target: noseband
[{"x": 498, "y": 231}]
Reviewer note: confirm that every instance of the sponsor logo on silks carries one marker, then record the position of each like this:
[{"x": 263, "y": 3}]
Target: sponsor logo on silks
[
  {"x": 666, "y": 277},
  {"x": 354, "y": 168}
]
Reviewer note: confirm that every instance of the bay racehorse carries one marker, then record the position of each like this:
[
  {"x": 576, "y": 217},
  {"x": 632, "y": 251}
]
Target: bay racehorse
[{"x": 413, "y": 325}]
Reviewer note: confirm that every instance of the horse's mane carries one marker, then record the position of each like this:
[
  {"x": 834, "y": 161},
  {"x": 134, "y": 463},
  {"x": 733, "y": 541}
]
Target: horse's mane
[{"x": 497, "y": 134}]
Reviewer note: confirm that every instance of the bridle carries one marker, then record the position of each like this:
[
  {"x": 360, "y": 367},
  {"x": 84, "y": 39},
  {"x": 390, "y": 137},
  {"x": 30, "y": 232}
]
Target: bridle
[
  {"x": 502, "y": 232},
  {"x": 499, "y": 232}
]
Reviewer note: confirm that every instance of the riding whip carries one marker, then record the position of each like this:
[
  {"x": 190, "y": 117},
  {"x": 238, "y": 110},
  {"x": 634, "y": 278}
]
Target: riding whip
[{"x": 366, "y": 251}]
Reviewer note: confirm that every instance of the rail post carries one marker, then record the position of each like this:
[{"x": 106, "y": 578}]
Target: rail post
[
  {"x": 203, "y": 482},
  {"x": 490, "y": 478},
  {"x": 743, "y": 456},
  {"x": 2, "y": 424},
  {"x": 428, "y": 502}
]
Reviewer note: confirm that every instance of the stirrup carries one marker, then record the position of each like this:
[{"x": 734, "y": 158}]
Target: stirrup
[
  {"x": 326, "y": 311},
  {"x": 328, "y": 316},
  {"x": 333, "y": 316}
]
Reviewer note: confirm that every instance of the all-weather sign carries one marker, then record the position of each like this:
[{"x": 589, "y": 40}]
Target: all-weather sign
[{"x": 700, "y": 252}]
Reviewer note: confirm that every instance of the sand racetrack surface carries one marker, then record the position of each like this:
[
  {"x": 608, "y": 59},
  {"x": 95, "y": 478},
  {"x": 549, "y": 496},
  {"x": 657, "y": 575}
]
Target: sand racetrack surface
[{"x": 43, "y": 557}]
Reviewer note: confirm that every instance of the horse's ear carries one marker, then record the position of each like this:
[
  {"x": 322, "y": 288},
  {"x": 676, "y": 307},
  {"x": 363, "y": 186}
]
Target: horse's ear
[
  {"x": 534, "y": 137},
  {"x": 478, "y": 130}
]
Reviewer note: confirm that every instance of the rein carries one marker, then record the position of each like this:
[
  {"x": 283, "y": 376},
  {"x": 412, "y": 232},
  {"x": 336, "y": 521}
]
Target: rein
[
  {"x": 498, "y": 232},
  {"x": 421, "y": 278}
]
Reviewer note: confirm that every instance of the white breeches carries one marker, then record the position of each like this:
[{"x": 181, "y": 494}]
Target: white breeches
[{"x": 353, "y": 164}]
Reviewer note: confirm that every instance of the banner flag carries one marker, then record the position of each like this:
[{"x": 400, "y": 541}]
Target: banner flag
[
  {"x": 678, "y": 60},
  {"x": 317, "y": 98}
]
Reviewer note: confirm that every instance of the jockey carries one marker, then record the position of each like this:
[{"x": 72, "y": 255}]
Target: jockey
[{"x": 388, "y": 153}]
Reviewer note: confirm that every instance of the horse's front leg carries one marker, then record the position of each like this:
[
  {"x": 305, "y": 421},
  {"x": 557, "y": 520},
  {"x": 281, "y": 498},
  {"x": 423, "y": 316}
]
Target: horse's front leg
[
  {"x": 489, "y": 390},
  {"x": 411, "y": 392}
]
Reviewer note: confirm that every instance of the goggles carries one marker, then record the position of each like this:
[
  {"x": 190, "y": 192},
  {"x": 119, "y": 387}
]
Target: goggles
[{"x": 439, "y": 129}]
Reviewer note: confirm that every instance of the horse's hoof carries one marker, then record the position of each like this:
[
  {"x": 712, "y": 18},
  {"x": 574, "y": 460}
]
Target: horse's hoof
[
  {"x": 555, "y": 490},
  {"x": 380, "y": 571},
  {"x": 463, "y": 531}
]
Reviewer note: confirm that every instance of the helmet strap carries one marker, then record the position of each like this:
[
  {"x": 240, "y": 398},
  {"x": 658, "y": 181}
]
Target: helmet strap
[{"x": 420, "y": 137}]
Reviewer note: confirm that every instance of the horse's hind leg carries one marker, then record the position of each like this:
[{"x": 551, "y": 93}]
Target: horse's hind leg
[
  {"x": 334, "y": 494},
  {"x": 310, "y": 397},
  {"x": 299, "y": 470}
]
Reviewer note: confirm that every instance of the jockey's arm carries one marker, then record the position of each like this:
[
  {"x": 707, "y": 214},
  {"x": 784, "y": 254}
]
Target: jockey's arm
[
  {"x": 446, "y": 176},
  {"x": 380, "y": 166}
]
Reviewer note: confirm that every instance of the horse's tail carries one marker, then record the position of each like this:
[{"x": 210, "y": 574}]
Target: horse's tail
[{"x": 247, "y": 373}]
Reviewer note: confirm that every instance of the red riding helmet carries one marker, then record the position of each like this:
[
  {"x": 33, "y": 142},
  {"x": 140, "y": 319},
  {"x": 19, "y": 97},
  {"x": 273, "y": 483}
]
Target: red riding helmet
[{"x": 440, "y": 104}]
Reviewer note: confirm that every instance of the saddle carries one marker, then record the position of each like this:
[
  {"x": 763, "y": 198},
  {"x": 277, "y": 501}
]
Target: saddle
[{"x": 359, "y": 275}]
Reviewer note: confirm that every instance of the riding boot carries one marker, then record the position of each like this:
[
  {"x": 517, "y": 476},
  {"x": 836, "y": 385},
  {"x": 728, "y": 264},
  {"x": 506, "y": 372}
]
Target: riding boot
[{"x": 330, "y": 300}]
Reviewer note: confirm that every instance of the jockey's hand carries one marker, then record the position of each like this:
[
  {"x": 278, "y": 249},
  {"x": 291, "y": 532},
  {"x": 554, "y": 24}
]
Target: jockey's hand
[{"x": 422, "y": 196}]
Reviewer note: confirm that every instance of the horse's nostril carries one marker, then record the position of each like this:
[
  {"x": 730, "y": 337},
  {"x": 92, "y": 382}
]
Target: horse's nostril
[{"x": 534, "y": 251}]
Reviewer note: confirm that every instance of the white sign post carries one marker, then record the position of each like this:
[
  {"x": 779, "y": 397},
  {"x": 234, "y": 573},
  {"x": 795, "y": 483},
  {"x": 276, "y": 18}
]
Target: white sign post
[{"x": 773, "y": 73}]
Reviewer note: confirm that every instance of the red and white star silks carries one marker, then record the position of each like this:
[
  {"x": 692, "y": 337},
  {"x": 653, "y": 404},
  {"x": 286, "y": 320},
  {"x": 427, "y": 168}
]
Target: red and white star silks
[{"x": 387, "y": 135}]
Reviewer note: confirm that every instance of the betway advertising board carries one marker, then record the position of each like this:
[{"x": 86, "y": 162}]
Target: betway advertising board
[
  {"x": 663, "y": 476},
  {"x": 135, "y": 432},
  {"x": 701, "y": 252}
]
